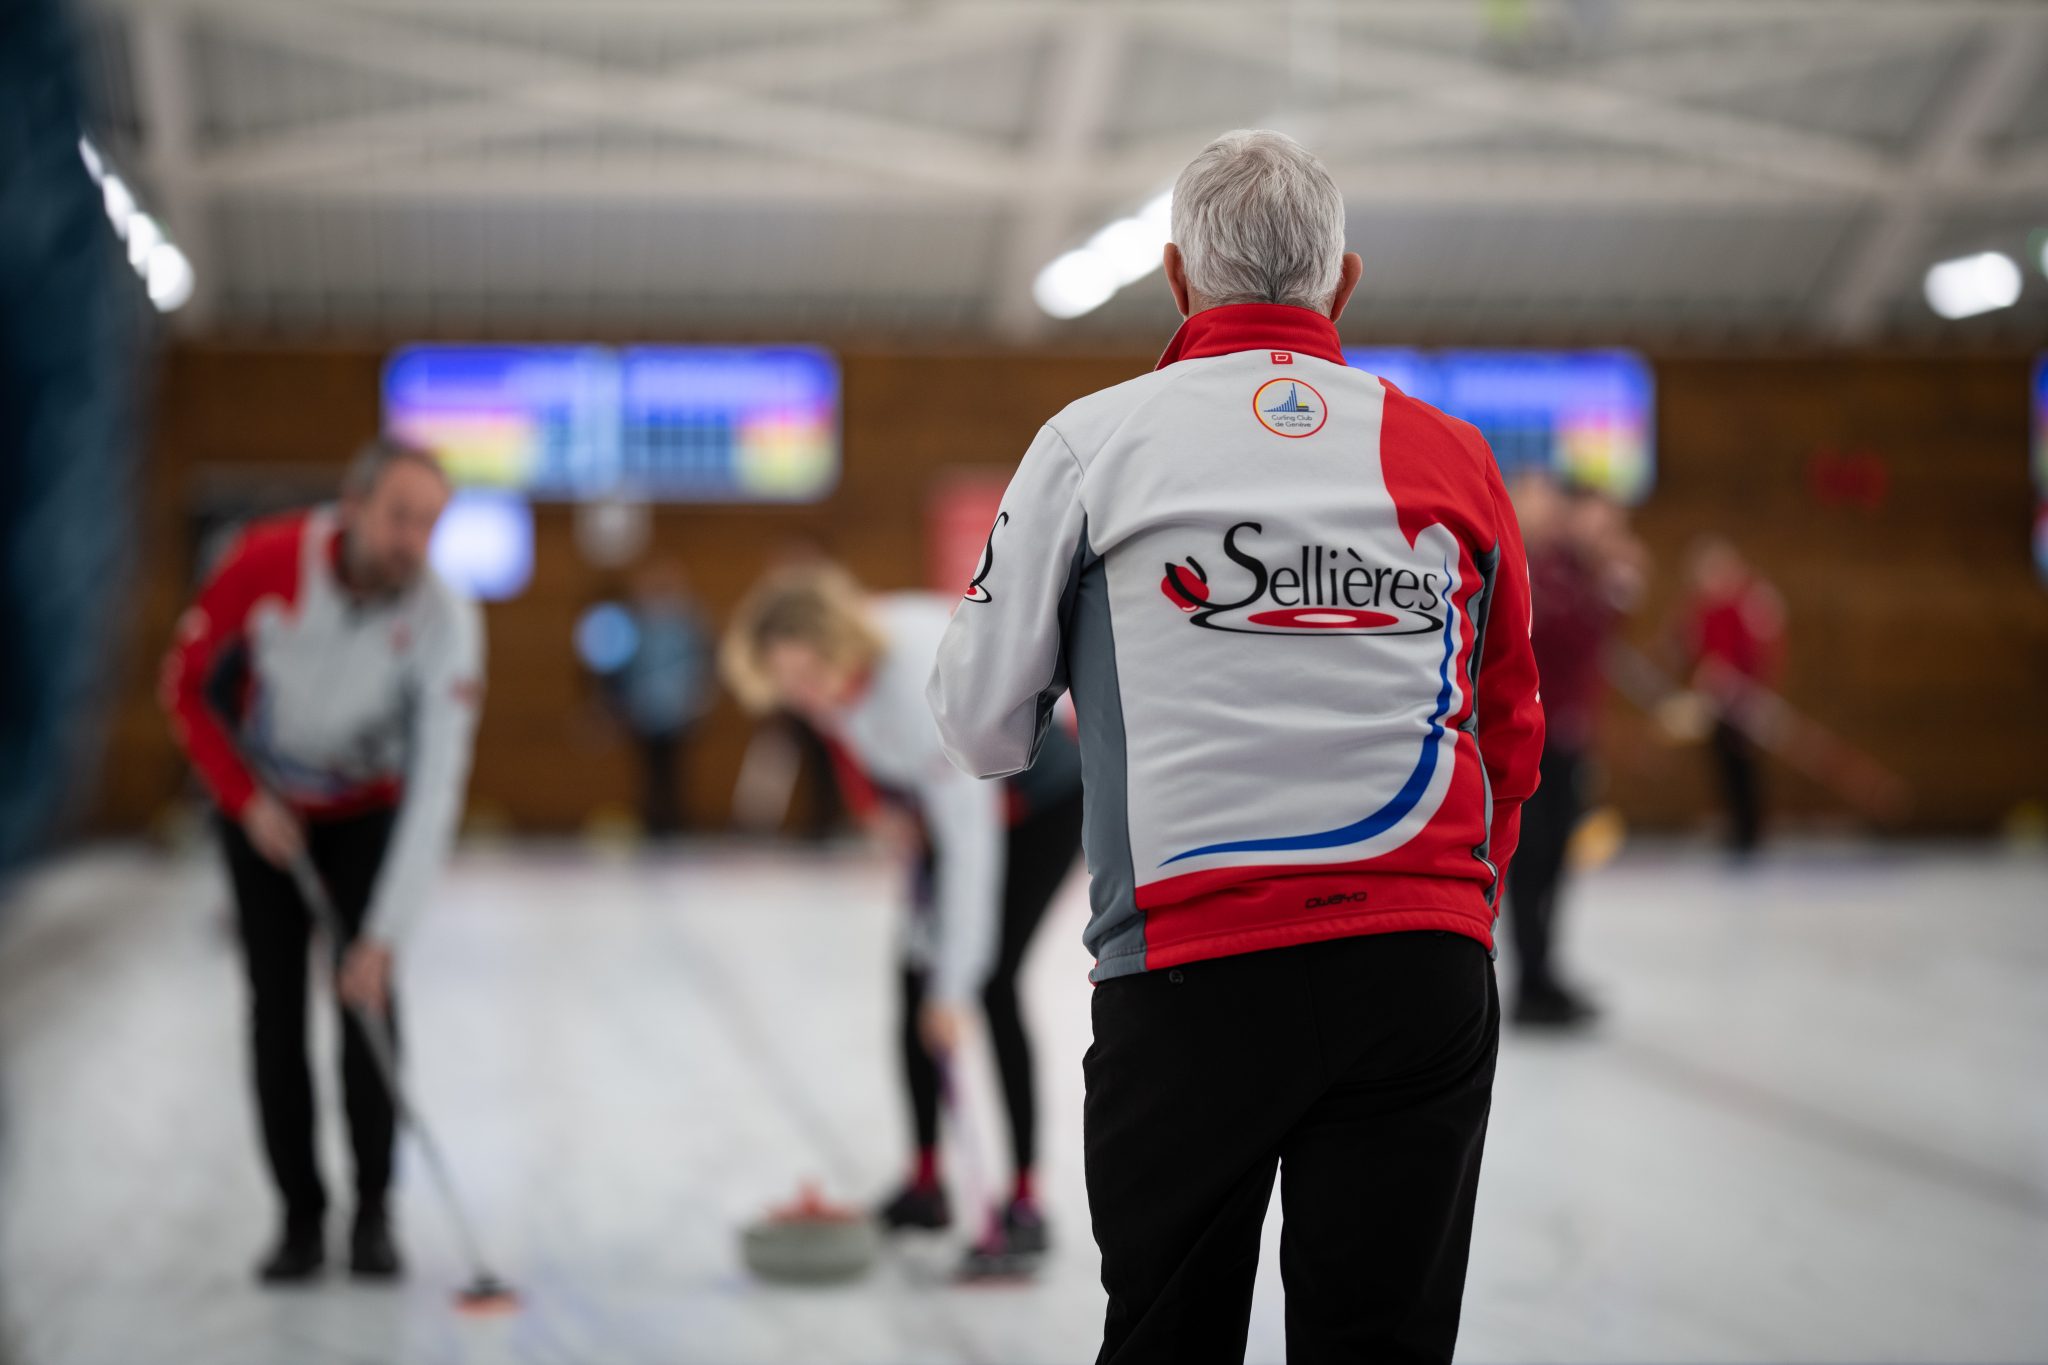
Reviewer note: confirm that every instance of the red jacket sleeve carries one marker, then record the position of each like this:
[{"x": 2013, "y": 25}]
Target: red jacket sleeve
[
  {"x": 262, "y": 563},
  {"x": 1510, "y": 705}
]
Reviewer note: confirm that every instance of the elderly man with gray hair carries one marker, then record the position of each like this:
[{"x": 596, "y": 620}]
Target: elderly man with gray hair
[{"x": 1292, "y": 607}]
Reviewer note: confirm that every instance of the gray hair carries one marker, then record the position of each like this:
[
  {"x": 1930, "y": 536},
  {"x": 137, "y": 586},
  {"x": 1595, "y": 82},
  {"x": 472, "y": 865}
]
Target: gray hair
[
  {"x": 366, "y": 468},
  {"x": 1259, "y": 220}
]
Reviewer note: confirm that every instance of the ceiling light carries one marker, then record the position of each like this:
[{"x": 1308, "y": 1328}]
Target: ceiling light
[
  {"x": 1122, "y": 252},
  {"x": 144, "y": 236},
  {"x": 1969, "y": 285},
  {"x": 1076, "y": 283},
  {"x": 120, "y": 202},
  {"x": 1129, "y": 249},
  {"x": 169, "y": 278},
  {"x": 166, "y": 272}
]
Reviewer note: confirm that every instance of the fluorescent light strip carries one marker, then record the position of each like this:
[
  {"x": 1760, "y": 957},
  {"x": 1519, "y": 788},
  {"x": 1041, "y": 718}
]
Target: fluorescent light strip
[
  {"x": 1124, "y": 252},
  {"x": 164, "y": 270},
  {"x": 1970, "y": 285}
]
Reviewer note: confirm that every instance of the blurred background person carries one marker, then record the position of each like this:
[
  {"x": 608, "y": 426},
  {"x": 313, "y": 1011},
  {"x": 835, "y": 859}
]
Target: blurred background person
[
  {"x": 661, "y": 691},
  {"x": 1733, "y": 634},
  {"x": 1585, "y": 571},
  {"x": 68, "y": 339},
  {"x": 987, "y": 856},
  {"x": 325, "y": 686}
]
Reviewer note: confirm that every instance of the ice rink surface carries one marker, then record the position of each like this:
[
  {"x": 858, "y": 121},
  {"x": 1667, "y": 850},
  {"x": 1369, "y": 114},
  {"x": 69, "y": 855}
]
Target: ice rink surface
[{"x": 1814, "y": 1126}]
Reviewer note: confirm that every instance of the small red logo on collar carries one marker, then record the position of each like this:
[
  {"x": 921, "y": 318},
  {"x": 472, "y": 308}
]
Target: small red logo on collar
[{"x": 1283, "y": 357}]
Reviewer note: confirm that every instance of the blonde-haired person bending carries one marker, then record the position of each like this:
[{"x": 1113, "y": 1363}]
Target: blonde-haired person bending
[{"x": 989, "y": 856}]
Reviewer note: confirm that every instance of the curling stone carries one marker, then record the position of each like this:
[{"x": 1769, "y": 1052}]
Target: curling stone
[{"x": 811, "y": 1242}]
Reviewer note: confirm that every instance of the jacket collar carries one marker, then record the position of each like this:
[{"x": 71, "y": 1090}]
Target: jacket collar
[{"x": 1254, "y": 327}]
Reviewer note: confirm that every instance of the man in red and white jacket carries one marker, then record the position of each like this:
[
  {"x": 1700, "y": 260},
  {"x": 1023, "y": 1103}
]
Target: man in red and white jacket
[
  {"x": 1292, "y": 607},
  {"x": 325, "y": 685}
]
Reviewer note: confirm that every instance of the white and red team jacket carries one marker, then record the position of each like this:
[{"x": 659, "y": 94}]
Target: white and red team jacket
[
  {"x": 1292, "y": 606},
  {"x": 280, "y": 677},
  {"x": 885, "y": 739}
]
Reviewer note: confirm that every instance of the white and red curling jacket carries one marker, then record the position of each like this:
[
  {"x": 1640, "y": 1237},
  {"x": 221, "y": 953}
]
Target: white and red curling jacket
[
  {"x": 280, "y": 677},
  {"x": 1292, "y": 607}
]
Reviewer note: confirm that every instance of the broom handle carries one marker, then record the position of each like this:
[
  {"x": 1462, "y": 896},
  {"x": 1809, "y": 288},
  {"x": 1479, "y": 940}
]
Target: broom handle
[
  {"x": 975, "y": 1192},
  {"x": 377, "y": 1035}
]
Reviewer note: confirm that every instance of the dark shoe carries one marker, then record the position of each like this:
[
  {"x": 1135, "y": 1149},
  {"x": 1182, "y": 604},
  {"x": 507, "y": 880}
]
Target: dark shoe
[
  {"x": 372, "y": 1254},
  {"x": 1024, "y": 1228},
  {"x": 1554, "y": 1007},
  {"x": 924, "y": 1207},
  {"x": 1012, "y": 1249},
  {"x": 298, "y": 1256}
]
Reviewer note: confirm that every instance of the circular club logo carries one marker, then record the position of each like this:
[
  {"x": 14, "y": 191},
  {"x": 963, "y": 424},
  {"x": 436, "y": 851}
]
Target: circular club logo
[{"x": 1288, "y": 407}]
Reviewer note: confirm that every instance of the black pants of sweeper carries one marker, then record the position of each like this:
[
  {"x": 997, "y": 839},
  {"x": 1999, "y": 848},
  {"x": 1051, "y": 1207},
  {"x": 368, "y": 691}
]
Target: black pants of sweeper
[
  {"x": 276, "y": 931},
  {"x": 1039, "y": 853}
]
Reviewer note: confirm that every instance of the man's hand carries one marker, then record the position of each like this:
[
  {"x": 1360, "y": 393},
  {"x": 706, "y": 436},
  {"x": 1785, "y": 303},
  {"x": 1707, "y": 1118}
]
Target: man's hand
[
  {"x": 273, "y": 830},
  {"x": 941, "y": 1026},
  {"x": 896, "y": 830},
  {"x": 365, "y": 979}
]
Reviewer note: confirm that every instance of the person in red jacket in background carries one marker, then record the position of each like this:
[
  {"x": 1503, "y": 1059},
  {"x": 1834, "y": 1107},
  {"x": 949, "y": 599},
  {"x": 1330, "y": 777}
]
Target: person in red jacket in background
[
  {"x": 1585, "y": 572},
  {"x": 1734, "y": 631}
]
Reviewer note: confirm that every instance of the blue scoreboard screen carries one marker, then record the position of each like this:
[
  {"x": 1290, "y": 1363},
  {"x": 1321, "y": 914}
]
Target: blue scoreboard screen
[
  {"x": 1589, "y": 416},
  {"x": 651, "y": 423}
]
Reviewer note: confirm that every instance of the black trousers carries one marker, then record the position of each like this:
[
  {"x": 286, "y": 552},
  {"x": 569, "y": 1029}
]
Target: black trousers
[
  {"x": 664, "y": 759},
  {"x": 1535, "y": 874},
  {"x": 1040, "y": 852},
  {"x": 1363, "y": 1070},
  {"x": 1741, "y": 787},
  {"x": 276, "y": 931}
]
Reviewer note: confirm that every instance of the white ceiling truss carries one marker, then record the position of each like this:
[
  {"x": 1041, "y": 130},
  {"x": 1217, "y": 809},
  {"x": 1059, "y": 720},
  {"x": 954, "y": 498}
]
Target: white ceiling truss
[{"x": 1834, "y": 147}]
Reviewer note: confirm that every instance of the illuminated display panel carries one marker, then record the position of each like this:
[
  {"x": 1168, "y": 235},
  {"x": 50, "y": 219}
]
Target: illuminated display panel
[
  {"x": 747, "y": 424},
  {"x": 540, "y": 420},
  {"x": 653, "y": 423},
  {"x": 1587, "y": 415}
]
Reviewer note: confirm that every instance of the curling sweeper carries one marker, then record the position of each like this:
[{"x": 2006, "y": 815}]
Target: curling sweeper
[
  {"x": 484, "y": 1293},
  {"x": 985, "y": 859}
]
